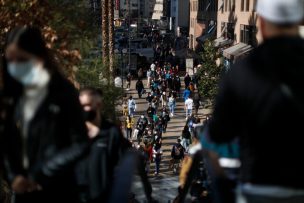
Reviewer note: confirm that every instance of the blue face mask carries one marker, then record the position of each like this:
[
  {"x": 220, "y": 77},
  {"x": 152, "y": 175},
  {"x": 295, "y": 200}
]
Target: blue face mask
[
  {"x": 28, "y": 73},
  {"x": 22, "y": 72}
]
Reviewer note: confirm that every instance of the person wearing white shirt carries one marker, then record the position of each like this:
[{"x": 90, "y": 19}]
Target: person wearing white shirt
[{"x": 189, "y": 106}]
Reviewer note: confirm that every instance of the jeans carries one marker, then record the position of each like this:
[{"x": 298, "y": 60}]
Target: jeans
[
  {"x": 129, "y": 133},
  {"x": 188, "y": 112},
  {"x": 261, "y": 199},
  {"x": 171, "y": 107},
  {"x": 131, "y": 112},
  {"x": 157, "y": 164},
  {"x": 185, "y": 143}
]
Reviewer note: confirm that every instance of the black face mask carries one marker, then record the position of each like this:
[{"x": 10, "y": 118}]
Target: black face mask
[{"x": 89, "y": 115}]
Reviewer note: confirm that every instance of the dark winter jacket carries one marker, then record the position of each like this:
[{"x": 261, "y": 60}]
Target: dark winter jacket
[
  {"x": 95, "y": 172},
  {"x": 261, "y": 101},
  {"x": 139, "y": 86},
  {"x": 56, "y": 135}
]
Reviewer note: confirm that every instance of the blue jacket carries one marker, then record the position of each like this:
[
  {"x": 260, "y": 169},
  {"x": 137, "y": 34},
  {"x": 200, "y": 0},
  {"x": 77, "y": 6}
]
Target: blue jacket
[{"x": 187, "y": 94}]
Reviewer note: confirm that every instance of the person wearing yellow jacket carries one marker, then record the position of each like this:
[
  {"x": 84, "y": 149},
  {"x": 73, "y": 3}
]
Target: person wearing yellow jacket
[{"x": 129, "y": 126}]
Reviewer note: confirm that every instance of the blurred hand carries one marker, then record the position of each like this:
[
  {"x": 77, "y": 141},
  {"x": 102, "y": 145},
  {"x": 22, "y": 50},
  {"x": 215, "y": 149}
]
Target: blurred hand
[
  {"x": 21, "y": 185},
  {"x": 93, "y": 130}
]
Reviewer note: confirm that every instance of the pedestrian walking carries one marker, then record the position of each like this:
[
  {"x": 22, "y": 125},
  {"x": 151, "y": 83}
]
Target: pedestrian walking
[
  {"x": 107, "y": 145},
  {"x": 157, "y": 155},
  {"x": 140, "y": 74},
  {"x": 196, "y": 102},
  {"x": 189, "y": 107},
  {"x": 164, "y": 99},
  {"x": 186, "y": 138},
  {"x": 187, "y": 93},
  {"x": 187, "y": 80},
  {"x": 140, "y": 87},
  {"x": 172, "y": 105},
  {"x": 129, "y": 80},
  {"x": 129, "y": 126},
  {"x": 149, "y": 77},
  {"x": 131, "y": 106},
  {"x": 177, "y": 155},
  {"x": 252, "y": 108},
  {"x": 43, "y": 121}
]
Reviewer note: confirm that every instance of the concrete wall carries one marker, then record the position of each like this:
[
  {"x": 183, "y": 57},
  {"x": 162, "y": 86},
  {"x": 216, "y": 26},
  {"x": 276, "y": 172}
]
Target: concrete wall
[{"x": 237, "y": 16}]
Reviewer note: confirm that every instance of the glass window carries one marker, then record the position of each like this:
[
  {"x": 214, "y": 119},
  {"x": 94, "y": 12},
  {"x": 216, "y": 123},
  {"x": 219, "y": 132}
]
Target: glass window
[
  {"x": 248, "y": 34},
  {"x": 247, "y": 5},
  {"x": 242, "y": 5},
  {"x": 226, "y": 3}
]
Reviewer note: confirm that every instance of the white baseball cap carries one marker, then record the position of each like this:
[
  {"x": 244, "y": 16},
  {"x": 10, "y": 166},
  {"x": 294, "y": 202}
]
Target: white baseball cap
[{"x": 281, "y": 11}]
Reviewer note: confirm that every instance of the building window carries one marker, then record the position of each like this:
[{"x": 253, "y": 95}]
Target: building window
[
  {"x": 248, "y": 34},
  {"x": 242, "y": 5},
  {"x": 247, "y": 5},
  {"x": 254, "y": 5},
  {"x": 227, "y": 30}
]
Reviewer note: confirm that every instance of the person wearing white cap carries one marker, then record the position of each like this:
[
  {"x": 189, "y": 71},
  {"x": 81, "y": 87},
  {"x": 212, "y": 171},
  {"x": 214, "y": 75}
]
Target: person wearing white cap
[{"x": 261, "y": 101}]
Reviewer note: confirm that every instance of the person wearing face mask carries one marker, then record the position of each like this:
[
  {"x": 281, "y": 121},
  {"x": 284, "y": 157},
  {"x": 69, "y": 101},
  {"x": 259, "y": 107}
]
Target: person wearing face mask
[
  {"x": 108, "y": 145},
  {"x": 44, "y": 127}
]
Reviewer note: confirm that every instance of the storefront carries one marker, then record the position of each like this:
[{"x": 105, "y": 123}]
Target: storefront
[{"x": 234, "y": 53}]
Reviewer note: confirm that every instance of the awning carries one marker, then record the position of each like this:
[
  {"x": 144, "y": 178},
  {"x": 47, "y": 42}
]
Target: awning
[
  {"x": 209, "y": 34},
  {"x": 221, "y": 42},
  {"x": 237, "y": 51}
]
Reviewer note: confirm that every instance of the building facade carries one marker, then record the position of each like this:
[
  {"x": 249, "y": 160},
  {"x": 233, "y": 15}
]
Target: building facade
[
  {"x": 237, "y": 20},
  {"x": 238, "y": 24},
  {"x": 179, "y": 15},
  {"x": 134, "y": 8},
  {"x": 203, "y": 20},
  {"x": 161, "y": 9}
]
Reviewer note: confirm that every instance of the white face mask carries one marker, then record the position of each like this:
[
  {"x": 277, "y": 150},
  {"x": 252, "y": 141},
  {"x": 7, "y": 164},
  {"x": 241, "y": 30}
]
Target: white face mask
[{"x": 29, "y": 73}]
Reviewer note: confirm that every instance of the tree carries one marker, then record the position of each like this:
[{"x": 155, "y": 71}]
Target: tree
[
  {"x": 64, "y": 24},
  {"x": 105, "y": 33},
  {"x": 209, "y": 73},
  {"x": 111, "y": 40}
]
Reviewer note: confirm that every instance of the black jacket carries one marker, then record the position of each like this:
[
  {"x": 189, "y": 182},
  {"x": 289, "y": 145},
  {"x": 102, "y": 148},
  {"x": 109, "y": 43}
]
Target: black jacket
[
  {"x": 95, "y": 172},
  {"x": 139, "y": 86},
  {"x": 262, "y": 101},
  {"x": 56, "y": 134}
]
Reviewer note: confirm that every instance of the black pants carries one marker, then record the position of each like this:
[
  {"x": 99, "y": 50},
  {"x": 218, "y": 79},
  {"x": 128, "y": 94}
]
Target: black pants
[{"x": 129, "y": 133}]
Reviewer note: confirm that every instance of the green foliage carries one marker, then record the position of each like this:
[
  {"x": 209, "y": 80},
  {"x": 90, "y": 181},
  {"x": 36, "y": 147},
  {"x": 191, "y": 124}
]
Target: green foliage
[
  {"x": 209, "y": 73},
  {"x": 94, "y": 74}
]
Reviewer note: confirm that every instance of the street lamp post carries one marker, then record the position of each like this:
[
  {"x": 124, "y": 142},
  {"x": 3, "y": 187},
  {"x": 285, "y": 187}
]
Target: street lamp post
[
  {"x": 129, "y": 31},
  {"x": 122, "y": 53}
]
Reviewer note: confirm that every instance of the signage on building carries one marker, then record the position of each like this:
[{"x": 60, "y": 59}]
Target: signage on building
[{"x": 117, "y": 5}]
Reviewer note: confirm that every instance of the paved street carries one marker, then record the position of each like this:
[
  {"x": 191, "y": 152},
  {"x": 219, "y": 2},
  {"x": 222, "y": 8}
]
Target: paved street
[{"x": 166, "y": 183}]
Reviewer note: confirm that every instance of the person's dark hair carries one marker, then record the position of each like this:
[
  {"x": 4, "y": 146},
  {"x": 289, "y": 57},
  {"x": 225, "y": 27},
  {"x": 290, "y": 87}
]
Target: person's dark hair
[
  {"x": 178, "y": 140},
  {"x": 28, "y": 39},
  {"x": 92, "y": 91}
]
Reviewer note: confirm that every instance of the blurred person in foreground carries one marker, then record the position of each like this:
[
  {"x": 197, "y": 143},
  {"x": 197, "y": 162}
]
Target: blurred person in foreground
[
  {"x": 44, "y": 126},
  {"x": 96, "y": 171},
  {"x": 261, "y": 101}
]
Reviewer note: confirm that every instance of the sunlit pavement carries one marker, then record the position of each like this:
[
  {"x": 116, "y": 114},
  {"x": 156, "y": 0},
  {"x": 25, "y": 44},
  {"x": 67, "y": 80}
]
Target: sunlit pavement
[{"x": 166, "y": 183}]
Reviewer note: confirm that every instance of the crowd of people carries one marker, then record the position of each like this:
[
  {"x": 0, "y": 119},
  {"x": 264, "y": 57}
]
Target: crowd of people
[{"x": 57, "y": 146}]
